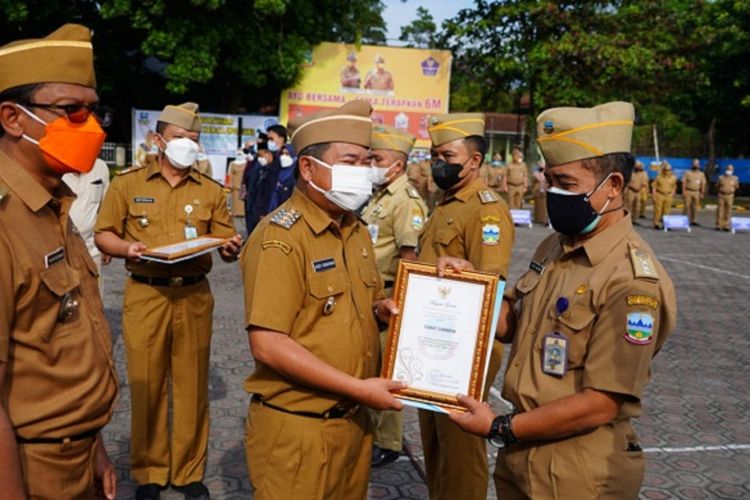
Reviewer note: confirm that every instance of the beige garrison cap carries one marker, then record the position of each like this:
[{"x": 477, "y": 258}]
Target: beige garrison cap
[
  {"x": 184, "y": 116},
  {"x": 395, "y": 139},
  {"x": 64, "y": 56},
  {"x": 348, "y": 123},
  {"x": 447, "y": 128},
  {"x": 571, "y": 134}
]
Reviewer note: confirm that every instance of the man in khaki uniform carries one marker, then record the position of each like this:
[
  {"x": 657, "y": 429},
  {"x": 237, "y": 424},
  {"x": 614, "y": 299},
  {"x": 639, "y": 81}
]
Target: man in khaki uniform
[
  {"x": 585, "y": 321},
  {"x": 726, "y": 187},
  {"x": 167, "y": 308},
  {"x": 494, "y": 176},
  {"x": 395, "y": 216},
  {"x": 693, "y": 190},
  {"x": 539, "y": 194},
  {"x": 379, "y": 78},
  {"x": 638, "y": 182},
  {"x": 643, "y": 201},
  {"x": 473, "y": 223},
  {"x": 517, "y": 179},
  {"x": 312, "y": 293},
  {"x": 57, "y": 377},
  {"x": 662, "y": 190},
  {"x": 420, "y": 176},
  {"x": 236, "y": 172},
  {"x": 350, "y": 74}
]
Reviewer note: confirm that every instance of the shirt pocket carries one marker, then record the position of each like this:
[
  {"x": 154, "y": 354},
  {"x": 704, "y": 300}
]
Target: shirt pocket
[
  {"x": 142, "y": 218},
  {"x": 576, "y": 324},
  {"x": 445, "y": 236},
  {"x": 201, "y": 219},
  {"x": 60, "y": 298},
  {"x": 97, "y": 192},
  {"x": 328, "y": 302}
]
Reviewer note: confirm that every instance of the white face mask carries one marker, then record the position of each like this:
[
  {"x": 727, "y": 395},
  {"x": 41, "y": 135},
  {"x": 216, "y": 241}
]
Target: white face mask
[
  {"x": 262, "y": 161},
  {"x": 272, "y": 146},
  {"x": 378, "y": 175},
  {"x": 350, "y": 186},
  {"x": 286, "y": 161},
  {"x": 181, "y": 152}
]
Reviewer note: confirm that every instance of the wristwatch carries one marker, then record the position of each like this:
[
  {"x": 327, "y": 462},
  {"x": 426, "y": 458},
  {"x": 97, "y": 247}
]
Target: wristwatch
[{"x": 501, "y": 432}]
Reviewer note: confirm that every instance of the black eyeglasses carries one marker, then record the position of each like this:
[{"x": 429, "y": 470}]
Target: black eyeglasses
[{"x": 79, "y": 113}]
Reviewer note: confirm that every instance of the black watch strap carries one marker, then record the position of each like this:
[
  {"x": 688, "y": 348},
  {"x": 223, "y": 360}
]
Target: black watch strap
[{"x": 501, "y": 431}]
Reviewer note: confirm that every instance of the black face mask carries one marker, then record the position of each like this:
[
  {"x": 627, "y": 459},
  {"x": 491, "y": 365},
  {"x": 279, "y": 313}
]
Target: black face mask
[
  {"x": 571, "y": 213},
  {"x": 446, "y": 175},
  {"x": 246, "y": 150}
]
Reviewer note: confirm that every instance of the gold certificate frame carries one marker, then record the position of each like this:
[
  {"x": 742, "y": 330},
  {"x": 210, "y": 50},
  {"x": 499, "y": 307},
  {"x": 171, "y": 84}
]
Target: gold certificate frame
[{"x": 441, "y": 341}]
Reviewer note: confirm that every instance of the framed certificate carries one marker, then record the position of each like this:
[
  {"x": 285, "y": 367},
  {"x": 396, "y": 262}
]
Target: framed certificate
[
  {"x": 441, "y": 342},
  {"x": 184, "y": 250}
]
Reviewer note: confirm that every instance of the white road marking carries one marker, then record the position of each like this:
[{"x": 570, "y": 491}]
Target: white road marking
[
  {"x": 691, "y": 449},
  {"x": 708, "y": 268}
]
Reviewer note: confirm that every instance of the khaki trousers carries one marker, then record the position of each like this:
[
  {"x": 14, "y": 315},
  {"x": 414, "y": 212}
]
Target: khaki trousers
[
  {"x": 52, "y": 471},
  {"x": 303, "y": 458},
  {"x": 456, "y": 461},
  {"x": 632, "y": 202},
  {"x": 515, "y": 196},
  {"x": 724, "y": 211},
  {"x": 692, "y": 204},
  {"x": 167, "y": 334},
  {"x": 643, "y": 203},
  {"x": 540, "y": 209},
  {"x": 662, "y": 206},
  {"x": 590, "y": 466}
]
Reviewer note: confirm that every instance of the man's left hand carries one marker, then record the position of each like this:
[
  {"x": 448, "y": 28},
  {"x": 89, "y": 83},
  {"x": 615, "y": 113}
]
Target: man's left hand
[
  {"x": 231, "y": 249},
  {"x": 384, "y": 309}
]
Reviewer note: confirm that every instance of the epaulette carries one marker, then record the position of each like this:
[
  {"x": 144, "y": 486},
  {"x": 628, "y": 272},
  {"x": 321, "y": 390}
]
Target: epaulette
[
  {"x": 643, "y": 264},
  {"x": 487, "y": 196},
  {"x": 285, "y": 218},
  {"x": 134, "y": 168},
  {"x": 3, "y": 193},
  {"x": 412, "y": 192}
]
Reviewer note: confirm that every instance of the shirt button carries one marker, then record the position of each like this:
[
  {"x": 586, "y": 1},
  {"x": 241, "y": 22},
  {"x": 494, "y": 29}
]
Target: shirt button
[
  {"x": 330, "y": 288},
  {"x": 516, "y": 364}
]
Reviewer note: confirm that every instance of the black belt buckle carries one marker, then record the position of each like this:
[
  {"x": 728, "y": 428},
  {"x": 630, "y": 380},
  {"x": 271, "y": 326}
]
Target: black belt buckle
[
  {"x": 42, "y": 440},
  {"x": 176, "y": 280}
]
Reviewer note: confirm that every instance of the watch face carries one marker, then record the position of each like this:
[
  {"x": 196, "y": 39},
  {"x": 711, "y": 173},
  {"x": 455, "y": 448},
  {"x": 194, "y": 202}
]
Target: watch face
[{"x": 497, "y": 442}]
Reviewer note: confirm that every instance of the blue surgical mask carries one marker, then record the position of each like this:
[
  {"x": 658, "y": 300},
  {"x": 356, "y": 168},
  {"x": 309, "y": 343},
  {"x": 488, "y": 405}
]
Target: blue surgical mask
[{"x": 272, "y": 146}]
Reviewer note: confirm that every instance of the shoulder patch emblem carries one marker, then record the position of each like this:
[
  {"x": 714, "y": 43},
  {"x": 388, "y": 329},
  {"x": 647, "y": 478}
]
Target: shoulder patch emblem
[
  {"x": 642, "y": 300},
  {"x": 490, "y": 234},
  {"x": 281, "y": 245},
  {"x": 639, "y": 328},
  {"x": 486, "y": 196},
  {"x": 285, "y": 218},
  {"x": 412, "y": 192},
  {"x": 416, "y": 221},
  {"x": 643, "y": 265}
]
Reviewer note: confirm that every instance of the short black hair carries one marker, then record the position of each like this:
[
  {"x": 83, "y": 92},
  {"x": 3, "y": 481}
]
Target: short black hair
[
  {"x": 476, "y": 144},
  {"x": 161, "y": 127},
  {"x": 279, "y": 130},
  {"x": 610, "y": 163},
  {"x": 315, "y": 150},
  {"x": 21, "y": 94}
]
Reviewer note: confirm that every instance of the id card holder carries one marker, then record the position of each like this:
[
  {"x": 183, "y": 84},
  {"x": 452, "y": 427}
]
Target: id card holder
[
  {"x": 191, "y": 231},
  {"x": 555, "y": 354}
]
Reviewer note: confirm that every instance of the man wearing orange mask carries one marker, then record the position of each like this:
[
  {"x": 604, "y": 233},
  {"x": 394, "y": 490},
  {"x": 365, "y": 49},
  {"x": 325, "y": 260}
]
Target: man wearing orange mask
[
  {"x": 57, "y": 375},
  {"x": 168, "y": 308}
]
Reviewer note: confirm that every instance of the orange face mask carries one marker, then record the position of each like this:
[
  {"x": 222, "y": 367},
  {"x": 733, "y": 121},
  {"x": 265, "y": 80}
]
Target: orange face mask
[{"x": 69, "y": 147}]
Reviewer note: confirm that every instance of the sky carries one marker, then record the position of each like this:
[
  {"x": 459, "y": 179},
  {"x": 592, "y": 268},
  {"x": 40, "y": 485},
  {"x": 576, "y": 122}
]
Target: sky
[{"x": 398, "y": 13}]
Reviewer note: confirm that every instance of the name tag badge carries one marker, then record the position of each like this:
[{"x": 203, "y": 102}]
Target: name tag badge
[
  {"x": 555, "y": 354},
  {"x": 374, "y": 230},
  {"x": 54, "y": 257},
  {"x": 323, "y": 265},
  {"x": 143, "y": 199},
  {"x": 191, "y": 232}
]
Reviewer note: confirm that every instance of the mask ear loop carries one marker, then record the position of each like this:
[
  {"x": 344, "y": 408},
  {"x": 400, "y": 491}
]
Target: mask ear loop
[
  {"x": 34, "y": 117},
  {"x": 604, "y": 210}
]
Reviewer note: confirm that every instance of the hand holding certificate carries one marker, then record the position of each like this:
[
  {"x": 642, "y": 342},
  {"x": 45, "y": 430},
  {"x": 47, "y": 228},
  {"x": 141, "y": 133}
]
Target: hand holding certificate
[{"x": 440, "y": 343}]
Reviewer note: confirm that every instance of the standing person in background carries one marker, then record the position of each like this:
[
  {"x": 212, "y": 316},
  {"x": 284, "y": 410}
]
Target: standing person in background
[
  {"x": 379, "y": 78},
  {"x": 494, "y": 176},
  {"x": 249, "y": 177},
  {"x": 539, "y": 194},
  {"x": 662, "y": 190},
  {"x": 57, "y": 376},
  {"x": 285, "y": 179},
  {"x": 395, "y": 216},
  {"x": 350, "y": 78},
  {"x": 167, "y": 314},
  {"x": 203, "y": 164},
  {"x": 235, "y": 175},
  {"x": 693, "y": 190},
  {"x": 89, "y": 189},
  {"x": 517, "y": 179},
  {"x": 473, "y": 223},
  {"x": 726, "y": 186},
  {"x": 259, "y": 191},
  {"x": 637, "y": 184}
]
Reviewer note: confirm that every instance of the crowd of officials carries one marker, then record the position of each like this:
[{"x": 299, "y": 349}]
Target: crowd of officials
[{"x": 331, "y": 204}]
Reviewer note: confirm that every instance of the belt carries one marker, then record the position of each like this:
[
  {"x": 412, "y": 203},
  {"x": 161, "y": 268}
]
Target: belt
[
  {"x": 516, "y": 184},
  {"x": 633, "y": 189},
  {"x": 341, "y": 410},
  {"x": 727, "y": 192},
  {"x": 693, "y": 190},
  {"x": 77, "y": 437},
  {"x": 173, "y": 281},
  {"x": 662, "y": 192}
]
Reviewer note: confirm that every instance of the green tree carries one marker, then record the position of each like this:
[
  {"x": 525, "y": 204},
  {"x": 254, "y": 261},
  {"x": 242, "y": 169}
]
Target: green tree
[{"x": 421, "y": 32}]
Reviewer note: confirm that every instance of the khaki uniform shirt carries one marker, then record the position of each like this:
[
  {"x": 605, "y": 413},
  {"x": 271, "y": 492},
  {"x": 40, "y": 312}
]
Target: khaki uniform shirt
[
  {"x": 493, "y": 176},
  {"x": 638, "y": 181},
  {"x": 694, "y": 180},
  {"x": 89, "y": 189},
  {"x": 395, "y": 217},
  {"x": 350, "y": 77},
  {"x": 728, "y": 184},
  {"x": 204, "y": 167},
  {"x": 140, "y": 205},
  {"x": 307, "y": 278},
  {"x": 518, "y": 174},
  {"x": 60, "y": 379},
  {"x": 538, "y": 185},
  {"x": 621, "y": 310},
  {"x": 376, "y": 80},
  {"x": 665, "y": 184},
  {"x": 473, "y": 224}
]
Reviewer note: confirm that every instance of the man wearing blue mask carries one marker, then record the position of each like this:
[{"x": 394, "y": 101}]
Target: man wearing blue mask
[
  {"x": 585, "y": 321},
  {"x": 312, "y": 297}
]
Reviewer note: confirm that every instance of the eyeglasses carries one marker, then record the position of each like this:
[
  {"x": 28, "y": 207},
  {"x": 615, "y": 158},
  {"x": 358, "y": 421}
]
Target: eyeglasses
[{"x": 79, "y": 113}]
